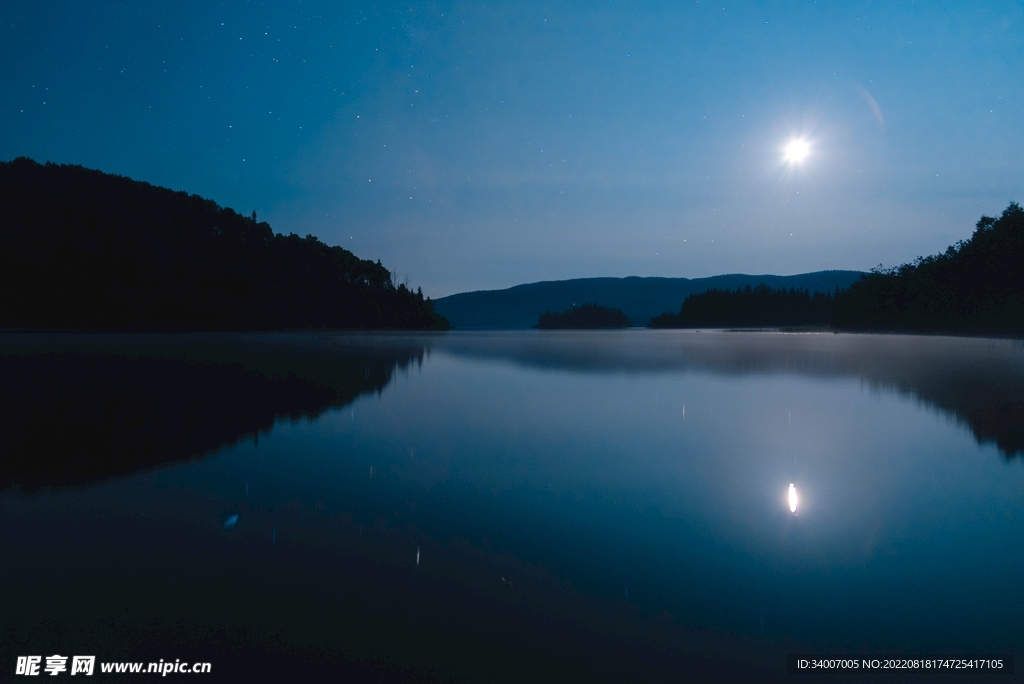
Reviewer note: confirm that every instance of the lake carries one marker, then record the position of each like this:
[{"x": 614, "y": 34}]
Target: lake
[{"x": 510, "y": 506}]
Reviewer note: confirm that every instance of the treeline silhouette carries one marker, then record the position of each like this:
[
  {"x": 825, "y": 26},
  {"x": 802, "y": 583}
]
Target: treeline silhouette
[
  {"x": 975, "y": 286},
  {"x": 759, "y": 306},
  {"x": 84, "y": 249},
  {"x": 590, "y": 316}
]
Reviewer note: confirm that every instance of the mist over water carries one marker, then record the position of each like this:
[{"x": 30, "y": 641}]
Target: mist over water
[{"x": 498, "y": 505}]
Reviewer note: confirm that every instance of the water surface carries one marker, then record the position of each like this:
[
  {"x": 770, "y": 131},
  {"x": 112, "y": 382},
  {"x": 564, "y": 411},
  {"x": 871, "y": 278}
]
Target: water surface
[{"x": 501, "y": 506}]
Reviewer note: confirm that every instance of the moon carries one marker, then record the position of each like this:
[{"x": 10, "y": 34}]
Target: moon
[{"x": 797, "y": 150}]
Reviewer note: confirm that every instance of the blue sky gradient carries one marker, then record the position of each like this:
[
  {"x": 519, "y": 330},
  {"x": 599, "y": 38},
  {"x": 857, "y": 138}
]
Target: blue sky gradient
[{"x": 472, "y": 146}]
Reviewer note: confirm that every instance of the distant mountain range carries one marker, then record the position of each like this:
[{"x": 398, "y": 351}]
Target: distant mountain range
[{"x": 641, "y": 299}]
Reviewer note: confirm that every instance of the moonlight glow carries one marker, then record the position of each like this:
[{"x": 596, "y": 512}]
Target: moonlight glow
[
  {"x": 797, "y": 150},
  {"x": 792, "y": 499}
]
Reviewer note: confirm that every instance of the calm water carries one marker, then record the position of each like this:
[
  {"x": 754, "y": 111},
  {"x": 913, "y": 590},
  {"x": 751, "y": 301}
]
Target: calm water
[{"x": 510, "y": 506}]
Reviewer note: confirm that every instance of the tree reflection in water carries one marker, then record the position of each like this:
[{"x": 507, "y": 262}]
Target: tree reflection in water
[
  {"x": 76, "y": 409},
  {"x": 979, "y": 381}
]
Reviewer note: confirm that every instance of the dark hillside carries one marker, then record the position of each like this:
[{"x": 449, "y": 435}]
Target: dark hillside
[
  {"x": 85, "y": 249},
  {"x": 975, "y": 286}
]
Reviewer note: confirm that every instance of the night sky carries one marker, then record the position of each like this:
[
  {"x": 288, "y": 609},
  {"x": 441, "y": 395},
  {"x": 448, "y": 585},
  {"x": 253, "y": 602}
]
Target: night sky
[{"x": 473, "y": 146}]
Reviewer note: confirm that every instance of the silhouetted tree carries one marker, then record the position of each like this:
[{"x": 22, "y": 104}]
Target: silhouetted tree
[{"x": 974, "y": 286}]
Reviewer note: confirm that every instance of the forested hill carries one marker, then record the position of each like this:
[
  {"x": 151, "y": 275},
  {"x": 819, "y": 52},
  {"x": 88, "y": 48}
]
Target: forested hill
[
  {"x": 85, "y": 249},
  {"x": 641, "y": 299},
  {"x": 975, "y": 286},
  {"x": 760, "y": 306}
]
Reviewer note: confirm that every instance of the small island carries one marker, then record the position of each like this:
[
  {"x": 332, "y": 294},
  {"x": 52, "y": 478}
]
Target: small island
[
  {"x": 81, "y": 249},
  {"x": 590, "y": 316}
]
